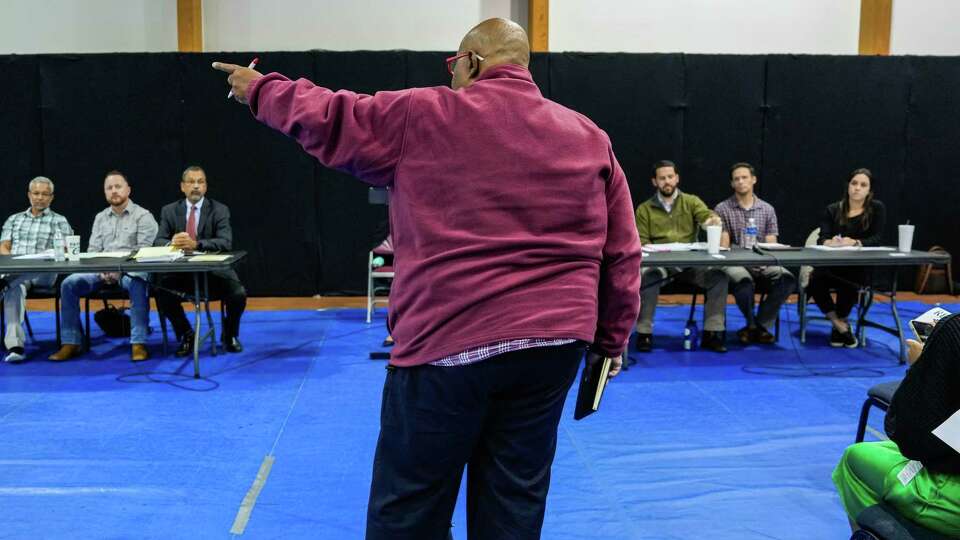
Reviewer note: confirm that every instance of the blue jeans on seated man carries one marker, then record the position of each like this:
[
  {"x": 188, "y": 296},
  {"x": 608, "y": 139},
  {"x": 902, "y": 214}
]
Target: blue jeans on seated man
[{"x": 79, "y": 285}]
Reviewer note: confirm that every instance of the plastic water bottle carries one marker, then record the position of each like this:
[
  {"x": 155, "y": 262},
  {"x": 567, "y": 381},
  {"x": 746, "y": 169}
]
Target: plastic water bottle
[
  {"x": 59, "y": 247},
  {"x": 691, "y": 336},
  {"x": 750, "y": 234}
]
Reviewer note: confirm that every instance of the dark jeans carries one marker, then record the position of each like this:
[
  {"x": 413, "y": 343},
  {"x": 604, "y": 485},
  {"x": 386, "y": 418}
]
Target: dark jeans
[
  {"x": 498, "y": 416},
  {"x": 224, "y": 285},
  {"x": 837, "y": 278}
]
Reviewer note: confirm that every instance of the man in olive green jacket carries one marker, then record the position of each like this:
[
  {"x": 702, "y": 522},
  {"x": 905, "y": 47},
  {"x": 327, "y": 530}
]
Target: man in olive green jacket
[{"x": 672, "y": 216}]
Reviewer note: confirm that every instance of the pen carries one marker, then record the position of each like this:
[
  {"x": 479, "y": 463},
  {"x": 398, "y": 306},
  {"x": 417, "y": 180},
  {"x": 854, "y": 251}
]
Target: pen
[{"x": 253, "y": 64}]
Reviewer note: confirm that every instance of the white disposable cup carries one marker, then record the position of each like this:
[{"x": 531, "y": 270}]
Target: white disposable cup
[
  {"x": 73, "y": 247},
  {"x": 713, "y": 239},
  {"x": 906, "y": 239}
]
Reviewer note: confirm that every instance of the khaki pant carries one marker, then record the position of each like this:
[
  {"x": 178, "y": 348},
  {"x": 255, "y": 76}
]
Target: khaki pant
[
  {"x": 14, "y": 300},
  {"x": 777, "y": 280},
  {"x": 713, "y": 280}
]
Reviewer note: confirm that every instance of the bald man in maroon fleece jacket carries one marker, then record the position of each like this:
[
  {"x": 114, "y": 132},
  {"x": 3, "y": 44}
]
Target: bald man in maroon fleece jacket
[{"x": 515, "y": 250}]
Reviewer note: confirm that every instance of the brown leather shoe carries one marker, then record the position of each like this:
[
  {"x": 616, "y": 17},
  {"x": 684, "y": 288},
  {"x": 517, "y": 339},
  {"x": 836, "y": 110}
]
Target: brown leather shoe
[
  {"x": 138, "y": 353},
  {"x": 66, "y": 352}
]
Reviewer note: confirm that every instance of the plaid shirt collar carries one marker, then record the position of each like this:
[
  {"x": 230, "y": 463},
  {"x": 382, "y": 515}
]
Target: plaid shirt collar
[{"x": 29, "y": 212}]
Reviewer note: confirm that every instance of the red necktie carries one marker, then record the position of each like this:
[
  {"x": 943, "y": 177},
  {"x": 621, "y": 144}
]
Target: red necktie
[{"x": 192, "y": 222}]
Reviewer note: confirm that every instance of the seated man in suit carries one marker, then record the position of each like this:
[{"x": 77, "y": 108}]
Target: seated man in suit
[
  {"x": 197, "y": 223},
  {"x": 123, "y": 226},
  {"x": 30, "y": 231},
  {"x": 673, "y": 216}
]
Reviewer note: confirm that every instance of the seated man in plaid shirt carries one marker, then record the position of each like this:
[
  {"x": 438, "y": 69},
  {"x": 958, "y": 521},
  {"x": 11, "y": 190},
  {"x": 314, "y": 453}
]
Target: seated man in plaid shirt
[
  {"x": 735, "y": 212},
  {"x": 25, "y": 233}
]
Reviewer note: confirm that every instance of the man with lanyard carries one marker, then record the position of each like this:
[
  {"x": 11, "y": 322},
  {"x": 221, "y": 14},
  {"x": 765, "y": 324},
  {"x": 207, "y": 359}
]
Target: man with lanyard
[{"x": 514, "y": 249}]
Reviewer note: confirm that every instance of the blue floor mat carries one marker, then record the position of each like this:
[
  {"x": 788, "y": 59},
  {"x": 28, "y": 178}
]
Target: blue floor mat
[{"x": 686, "y": 445}]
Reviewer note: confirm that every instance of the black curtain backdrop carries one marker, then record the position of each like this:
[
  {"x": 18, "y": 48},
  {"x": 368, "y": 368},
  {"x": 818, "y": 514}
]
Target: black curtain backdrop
[{"x": 803, "y": 121}]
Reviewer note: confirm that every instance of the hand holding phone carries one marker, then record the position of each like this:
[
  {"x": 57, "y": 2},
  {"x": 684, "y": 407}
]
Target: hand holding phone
[{"x": 924, "y": 324}]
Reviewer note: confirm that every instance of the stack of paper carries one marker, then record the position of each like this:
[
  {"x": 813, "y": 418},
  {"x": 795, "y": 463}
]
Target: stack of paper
[{"x": 158, "y": 254}]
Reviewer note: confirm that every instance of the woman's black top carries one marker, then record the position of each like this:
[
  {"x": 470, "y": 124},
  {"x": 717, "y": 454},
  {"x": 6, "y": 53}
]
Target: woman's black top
[{"x": 869, "y": 236}]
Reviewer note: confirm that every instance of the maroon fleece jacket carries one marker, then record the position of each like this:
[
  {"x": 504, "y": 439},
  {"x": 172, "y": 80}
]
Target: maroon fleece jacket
[{"x": 510, "y": 215}]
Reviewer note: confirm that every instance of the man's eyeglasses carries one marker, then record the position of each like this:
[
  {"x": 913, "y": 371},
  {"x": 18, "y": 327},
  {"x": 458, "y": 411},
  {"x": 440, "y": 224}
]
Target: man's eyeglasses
[{"x": 452, "y": 61}]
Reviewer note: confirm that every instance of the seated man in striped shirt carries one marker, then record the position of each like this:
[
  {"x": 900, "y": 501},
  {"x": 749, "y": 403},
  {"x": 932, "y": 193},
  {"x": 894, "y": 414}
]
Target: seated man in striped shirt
[
  {"x": 736, "y": 212},
  {"x": 25, "y": 233}
]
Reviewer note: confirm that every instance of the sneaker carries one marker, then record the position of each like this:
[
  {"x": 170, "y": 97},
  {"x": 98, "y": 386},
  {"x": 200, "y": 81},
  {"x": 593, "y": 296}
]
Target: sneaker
[
  {"x": 644, "y": 342},
  {"x": 849, "y": 340},
  {"x": 836, "y": 338},
  {"x": 15, "y": 355},
  {"x": 843, "y": 339}
]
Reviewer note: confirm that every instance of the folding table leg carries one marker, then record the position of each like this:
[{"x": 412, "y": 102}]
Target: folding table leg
[{"x": 196, "y": 325}]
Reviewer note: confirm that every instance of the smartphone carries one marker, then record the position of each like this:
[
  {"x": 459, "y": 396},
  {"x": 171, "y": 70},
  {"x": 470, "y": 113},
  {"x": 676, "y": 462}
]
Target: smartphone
[{"x": 923, "y": 325}]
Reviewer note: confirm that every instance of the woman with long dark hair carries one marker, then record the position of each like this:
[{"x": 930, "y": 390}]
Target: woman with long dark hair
[
  {"x": 855, "y": 220},
  {"x": 928, "y": 492}
]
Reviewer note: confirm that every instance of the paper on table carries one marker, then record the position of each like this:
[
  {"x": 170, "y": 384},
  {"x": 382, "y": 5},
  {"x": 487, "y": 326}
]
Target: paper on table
[
  {"x": 672, "y": 246},
  {"x": 772, "y": 245},
  {"x": 853, "y": 248},
  {"x": 158, "y": 254},
  {"x": 106, "y": 255},
  {"x": 949, "y": 431},
  {"x": 208, "y": 258},
  {"x": 835, "y": 248},
  {"x": 678, "y": 246},
  {"x": 46, "y": 255}
]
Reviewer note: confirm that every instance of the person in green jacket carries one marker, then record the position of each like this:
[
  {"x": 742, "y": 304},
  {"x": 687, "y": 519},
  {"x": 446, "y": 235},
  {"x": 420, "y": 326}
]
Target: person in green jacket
[
  {"x": 673, "y": 216},
  {"x": 914, "y": 472}
]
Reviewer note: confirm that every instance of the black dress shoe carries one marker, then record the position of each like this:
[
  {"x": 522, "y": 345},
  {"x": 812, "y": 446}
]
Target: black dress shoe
[
  {"x": 644, "y": 342},
  {"x": 714, "y": 341},
  {"x": 186, "y": 345},
  {"x": 744, "y": 335},
  {"x": 762, "y": 336},
  {"x": 233, "y": 345}
]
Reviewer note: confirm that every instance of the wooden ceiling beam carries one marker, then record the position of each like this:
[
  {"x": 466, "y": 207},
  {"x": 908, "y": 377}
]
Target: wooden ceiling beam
[
  {"x": 538, "y": 25},
  {"x": 875, "y": 19},
  {"x": 190, "y": 25}
]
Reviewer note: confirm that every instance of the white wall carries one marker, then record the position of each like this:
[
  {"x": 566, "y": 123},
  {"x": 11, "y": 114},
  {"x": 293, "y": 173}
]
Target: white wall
[
  {"x": 696, "y": 26},
  {"x": 259, "y": 25},
  {"x": 87, "y": 26},
  {"x": 925, "y": 27},
  {"x": 706, "y": 26}
]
